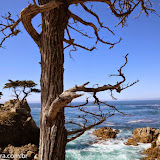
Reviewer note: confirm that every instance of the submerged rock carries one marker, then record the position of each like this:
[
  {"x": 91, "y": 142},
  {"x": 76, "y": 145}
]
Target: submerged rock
[
  {"x": 131, "y": 142},
  {"x": 105, "y": 133}
]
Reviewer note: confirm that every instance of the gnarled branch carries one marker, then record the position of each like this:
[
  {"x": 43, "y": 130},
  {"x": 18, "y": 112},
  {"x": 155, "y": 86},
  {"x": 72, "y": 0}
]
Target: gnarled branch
[
  {"x": 121, "y": 9},
  {"x": 31, "y": 11},
  {"x": 97, "y": 17},
  {"x": 61, "y": 101},
  {"x": 71, "y": 42},
  {"x": 67, "y": 96},
  {"x": 77, "y": 18},
  {"x": 79, "y": 132},
  {"x": 74, "y": 137},
  {"x": 89, "y": 127},
  {"x": 9, "y": 23},
  {"x": 26, "y": 16}
]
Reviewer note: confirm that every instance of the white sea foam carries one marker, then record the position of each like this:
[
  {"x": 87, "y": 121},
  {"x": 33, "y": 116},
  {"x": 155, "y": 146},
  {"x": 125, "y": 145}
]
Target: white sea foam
[
  {"x": 143, "y": 105},
  {"x": 112, "y": 149},
  {"x": 140, "y": 121},
  {"x": 110, "y": 124}
]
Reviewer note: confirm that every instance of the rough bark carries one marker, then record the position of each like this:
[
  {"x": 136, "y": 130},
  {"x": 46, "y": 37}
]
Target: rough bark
[{"x": 53, "y": 135}]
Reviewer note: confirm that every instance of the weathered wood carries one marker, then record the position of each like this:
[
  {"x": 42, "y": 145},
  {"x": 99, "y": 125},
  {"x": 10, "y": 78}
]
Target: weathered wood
[
  {"x": 30, "y": 12},
  {"x": 53, "y": 135},
  {"x": 55, "y": 15}
]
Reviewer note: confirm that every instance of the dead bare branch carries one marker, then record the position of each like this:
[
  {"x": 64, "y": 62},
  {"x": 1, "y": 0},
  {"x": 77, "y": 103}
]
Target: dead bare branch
[
  {"x": 89, "y": 127},
  {"x": 84, "y": 34},
  {"x": 77, "y": 18},
  {"x": 79, "y": 105},
  {"x": 86, "y": 128},
  {"x": 61, "y": 101},
  {"x": 87, "y": 112},
  {"x": 71, "y": 122},
  {"x": 97, "y": 17},
  {"x": 74, "y": 137},
  {"x": 121, "y": 9},
  {"x": 71, "y": 42},
  {"x": 67, "y": 96},
  {"x": 26, "y": 16},
  {"x": 9, "y": 23}
]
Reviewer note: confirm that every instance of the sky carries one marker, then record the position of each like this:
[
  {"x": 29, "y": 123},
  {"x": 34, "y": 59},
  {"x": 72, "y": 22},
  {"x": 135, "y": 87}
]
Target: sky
[{"x": 141, "y": 39}]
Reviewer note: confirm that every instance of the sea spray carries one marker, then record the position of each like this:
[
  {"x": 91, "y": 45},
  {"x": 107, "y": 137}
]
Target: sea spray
[{"x": 88, "y": 147}]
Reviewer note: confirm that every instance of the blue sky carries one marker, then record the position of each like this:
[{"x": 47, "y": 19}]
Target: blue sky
[{"x": 141, "y": 39}]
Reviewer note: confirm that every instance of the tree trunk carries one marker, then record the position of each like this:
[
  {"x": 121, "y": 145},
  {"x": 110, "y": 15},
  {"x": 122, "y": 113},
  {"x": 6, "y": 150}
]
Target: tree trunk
[{"x": 53, "y": 136}]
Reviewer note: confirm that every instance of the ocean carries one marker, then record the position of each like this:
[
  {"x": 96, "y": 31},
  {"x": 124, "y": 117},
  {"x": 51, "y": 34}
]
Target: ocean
[{"x": 88, "y": 147}]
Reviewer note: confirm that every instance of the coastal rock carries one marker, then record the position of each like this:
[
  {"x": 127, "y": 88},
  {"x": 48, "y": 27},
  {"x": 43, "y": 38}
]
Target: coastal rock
[
  {"x": 158, "y": 141},
  {"x": 145, "y": 135},
  {"x": 16, "y": 106},
  {"x": 17, "y": 129},
  {"x": 153, "y": 144},
  {"x": 152, "y": 153},
  {"x": 26, "y": 152},
  {"x": 9, "y": 104},
  {"x": 105, "y": 133},
  {"x": 131, "y": 142}
]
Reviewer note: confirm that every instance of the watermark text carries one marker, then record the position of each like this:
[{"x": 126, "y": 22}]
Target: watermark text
[{"x": 12, "y": 156}]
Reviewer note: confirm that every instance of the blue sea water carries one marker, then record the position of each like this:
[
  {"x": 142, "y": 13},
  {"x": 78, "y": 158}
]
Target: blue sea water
[{"x": 88, "y": 147}]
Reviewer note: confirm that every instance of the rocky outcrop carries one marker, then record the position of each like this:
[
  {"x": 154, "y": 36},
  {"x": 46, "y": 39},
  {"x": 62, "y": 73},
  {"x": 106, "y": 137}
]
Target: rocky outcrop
[
  {"x": 17, "y": 126},
  {"x": 26, "y": 152},
  {"x": 153, "y": 152},
  {"x": 105, "y": 133},
  {"x": 158, "y": 141},
  {"x": 16, "y": 106},
  {"x": 145, "y": 135}
]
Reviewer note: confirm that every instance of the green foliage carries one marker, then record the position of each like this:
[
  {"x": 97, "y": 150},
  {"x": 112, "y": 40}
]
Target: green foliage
[
  {"x": 22, "y": 87},
  {"x": 17, "y": 83},
  {"x": 1, "y": 94},
  {"x": 35, "y": 90}
]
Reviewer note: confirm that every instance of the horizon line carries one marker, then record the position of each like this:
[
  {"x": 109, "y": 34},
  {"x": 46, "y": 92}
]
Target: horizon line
[
  {"x": 120, "y": 100},
  {"x": 112, "y": 100}
]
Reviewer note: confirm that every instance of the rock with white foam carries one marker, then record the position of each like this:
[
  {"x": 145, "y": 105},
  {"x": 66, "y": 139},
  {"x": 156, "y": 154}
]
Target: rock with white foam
[
  {"x": 149, "y": 135},
  {"x": 105, "y": 133},
  {"x": 145, "y": 135},
  {"x": 131, "y": 142}
]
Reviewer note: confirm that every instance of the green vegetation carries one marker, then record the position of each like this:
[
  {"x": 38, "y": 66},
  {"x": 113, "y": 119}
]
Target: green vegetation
[
  {"x": 1, "y": 94},
  {"x": 22, "y": 87}
]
